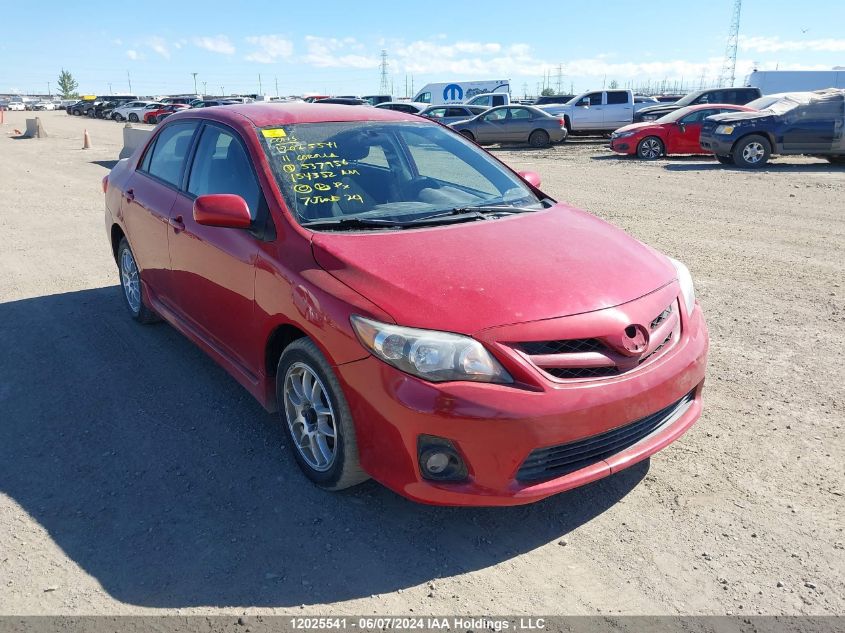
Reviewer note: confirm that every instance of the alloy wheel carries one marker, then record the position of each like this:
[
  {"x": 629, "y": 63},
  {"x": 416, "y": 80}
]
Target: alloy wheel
[
  {"x": 753, "y": 152},
  {"x": 310, "y": 417},
  {"x": 650, "y": 148},
  {"x": 130, "y": 280}
]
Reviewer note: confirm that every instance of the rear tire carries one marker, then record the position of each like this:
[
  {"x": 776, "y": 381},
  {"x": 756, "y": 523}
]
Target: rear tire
[
  {"x": 312, "y": 404},
  {"x": 539, "y": 138},
  {"x": 650, "y": 148},
  {"x": 133, "y": 118},
  {"x": 725, "y": 160},
  {"x": 468, "y": 134},
  {"x": 752, "y": 152},
  {"x": 131, "y": 287}
]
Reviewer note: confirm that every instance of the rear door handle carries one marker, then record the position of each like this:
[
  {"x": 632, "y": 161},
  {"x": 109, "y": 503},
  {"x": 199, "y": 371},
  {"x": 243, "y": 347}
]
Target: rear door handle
[
  {"x": 130, "y": 194},
  {"x": 177, "y": 224}
]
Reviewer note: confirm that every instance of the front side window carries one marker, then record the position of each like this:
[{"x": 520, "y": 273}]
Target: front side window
[
  {"x": 425, "y": 97},
  {"x": 436, "y": 113},
  {"x": 385, "y": 172},
  {"x": 221, "y": 165},
  {"x": 698, "y": 116},
  {"x": 496, "y": 115},
  {"x": 167, "y": 156}
]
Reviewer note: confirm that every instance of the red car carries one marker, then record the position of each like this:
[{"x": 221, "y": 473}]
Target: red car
[
  {"x": 415, "y": 311},
  {"x": 676, "y": 133},
  {"x": 155, "y": 116}
]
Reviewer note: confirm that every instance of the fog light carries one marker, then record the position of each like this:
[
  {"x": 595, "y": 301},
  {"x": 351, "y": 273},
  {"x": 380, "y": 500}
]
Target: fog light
[
  {"x": 436, "y": 462},
  {"x": 439, "y": 459}
]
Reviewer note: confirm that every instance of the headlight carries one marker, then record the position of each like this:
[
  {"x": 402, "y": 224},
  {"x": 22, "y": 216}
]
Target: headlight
[
  {"x": 623, "y": 134},
  {"x": 649, "y": 117},
  {"x": 685, "y": 281},
  {"x": 428, "y": 354},
  {"x": 725, "y": 129}
]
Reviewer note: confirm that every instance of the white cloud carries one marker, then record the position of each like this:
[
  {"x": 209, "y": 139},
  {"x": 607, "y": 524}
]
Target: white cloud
[
  {"x": 159, "y": 45},
  {"x": 215, "y": 44},
  {"x": 332, "y": 52},
  {"x": 270, "y": 48},
  {"x": 133, "y": 55},
  {"x": 776, "y": 45}
]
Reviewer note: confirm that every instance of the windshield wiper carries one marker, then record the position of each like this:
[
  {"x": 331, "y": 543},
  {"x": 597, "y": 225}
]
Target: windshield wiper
[
  {"x": 490, "y": 208},
  {"x": 343, "y": 224}
]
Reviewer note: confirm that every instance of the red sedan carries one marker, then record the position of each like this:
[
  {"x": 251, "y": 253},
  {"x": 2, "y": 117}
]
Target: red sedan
[
  {"x": 157, "y": 115},
  {"x": 416, "y": 311},
  {"x": 676, "y": 133}
]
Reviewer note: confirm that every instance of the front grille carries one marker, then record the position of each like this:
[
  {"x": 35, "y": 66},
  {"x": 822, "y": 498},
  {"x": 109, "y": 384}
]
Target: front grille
[
  {"x": 556, "y": 461},
  {"x": 572, "y": 346},
  {"x": 583, "y": 372},
  {"x": 603, "y": 355}
]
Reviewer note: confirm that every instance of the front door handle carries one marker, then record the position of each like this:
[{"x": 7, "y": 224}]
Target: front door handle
[{"x": 177, "y": 224}]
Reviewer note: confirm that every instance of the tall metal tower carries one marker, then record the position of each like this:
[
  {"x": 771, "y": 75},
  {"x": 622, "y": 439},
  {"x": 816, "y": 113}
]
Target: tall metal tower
[
  {"x": 385, "y": 85},
  {"x": 728, "y": 74}
]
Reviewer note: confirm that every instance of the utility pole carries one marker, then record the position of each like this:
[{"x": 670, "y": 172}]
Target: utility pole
[
  {"x": 383, "y": 86},
  {"x": 728, "y": 74},
  {"x": 559, "y": 77},
  {"x": 260, "y": 92},
  {"x": 129, "y": 79},
  {"x": 195, "y": 82},
  {"x": 204, "y": 88},
  {"x": 222, "y": 92},
  {"x": 110, "y": 91},
  {"x": 276, "y": 77},
  {"x": 49, "y": 94}
]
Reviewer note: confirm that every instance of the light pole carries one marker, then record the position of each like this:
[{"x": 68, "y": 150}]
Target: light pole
[
  {"x": 49, "y": 94},
  {"x": 195, "y": 82},
  {"x": 204, "y": 88}
]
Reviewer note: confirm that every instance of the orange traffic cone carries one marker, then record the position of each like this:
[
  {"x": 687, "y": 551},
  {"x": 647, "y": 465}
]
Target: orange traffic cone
[{"x": 86, "y": 141}]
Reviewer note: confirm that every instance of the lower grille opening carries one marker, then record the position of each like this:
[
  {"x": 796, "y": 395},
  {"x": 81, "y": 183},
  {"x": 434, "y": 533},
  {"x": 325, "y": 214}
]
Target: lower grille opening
[
  {"x": 582, "y": 372},
  {"x": 556, "y": 461}
]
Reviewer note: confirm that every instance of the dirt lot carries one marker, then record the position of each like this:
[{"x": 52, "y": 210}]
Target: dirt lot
[{"x": 136, "y": 476}]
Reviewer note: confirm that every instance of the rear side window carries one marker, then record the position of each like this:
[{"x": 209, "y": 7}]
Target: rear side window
[
  {"x": 221, "y": 165},
  {"x": 498, "y": 100},
  {"x": 615, "y": 98},
  {"x": 457, "y": 112},
  {"x": 166, "y": 159}
]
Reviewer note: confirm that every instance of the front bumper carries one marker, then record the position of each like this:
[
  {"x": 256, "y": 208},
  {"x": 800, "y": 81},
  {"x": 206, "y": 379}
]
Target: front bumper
[
  {"x": 626, "y": 145},
  {"x": 717, "y": 144},
  {"x": 496, "y": 427}
]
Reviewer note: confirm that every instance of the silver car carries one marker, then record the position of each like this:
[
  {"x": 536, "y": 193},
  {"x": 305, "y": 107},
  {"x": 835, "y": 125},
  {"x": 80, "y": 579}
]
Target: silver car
[
  {"x": 513, "y": 124},
  {"x": 452, "y": 113}
]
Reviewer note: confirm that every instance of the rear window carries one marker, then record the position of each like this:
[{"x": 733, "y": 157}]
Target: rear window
[{"x": 394, "y": 171}]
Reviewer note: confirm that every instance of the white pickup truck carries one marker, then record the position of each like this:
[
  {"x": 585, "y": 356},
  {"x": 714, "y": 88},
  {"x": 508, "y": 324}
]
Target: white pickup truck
[{"x": 599, "y": 110}]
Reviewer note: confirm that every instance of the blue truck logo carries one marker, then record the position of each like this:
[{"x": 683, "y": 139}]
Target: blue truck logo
[{"x": 453, "y": 92}]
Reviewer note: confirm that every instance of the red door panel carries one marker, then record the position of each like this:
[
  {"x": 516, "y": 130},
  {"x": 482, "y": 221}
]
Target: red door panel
[
  {"x": 145, "y": 209},
  {"x": 213, "y": 281}
]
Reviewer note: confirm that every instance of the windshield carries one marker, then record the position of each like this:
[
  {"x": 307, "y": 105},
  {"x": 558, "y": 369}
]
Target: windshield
[
  {"x": 385, "y": 172},
  {"x": 684, "y": 101}
]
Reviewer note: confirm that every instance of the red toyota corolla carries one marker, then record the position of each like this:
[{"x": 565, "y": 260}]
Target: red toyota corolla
[
  {"x": 676, "y": 133},
  {"x": 416, "y": 311}
]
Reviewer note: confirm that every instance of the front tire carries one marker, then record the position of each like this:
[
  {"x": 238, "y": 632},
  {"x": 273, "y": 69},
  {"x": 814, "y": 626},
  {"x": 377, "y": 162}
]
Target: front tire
[
  {"x": 316, "y": 417},
  {"x": 752, "y": 152},
  {"x": 650, "y": 148},
  {"x": 539, "y": 138},
  {"x": 130, "y": 283},
  {"x": 133, "y": 118}
]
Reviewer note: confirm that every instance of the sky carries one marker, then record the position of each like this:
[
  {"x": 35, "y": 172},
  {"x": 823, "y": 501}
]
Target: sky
[{"x": 334, "y": 47}]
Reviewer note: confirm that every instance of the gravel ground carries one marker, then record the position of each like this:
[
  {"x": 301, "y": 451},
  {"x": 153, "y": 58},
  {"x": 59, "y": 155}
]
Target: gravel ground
[{"x": 137, "y": 477}]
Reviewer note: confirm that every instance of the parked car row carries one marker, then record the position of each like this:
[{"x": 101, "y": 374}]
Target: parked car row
[{"x": 809, "y": 123}]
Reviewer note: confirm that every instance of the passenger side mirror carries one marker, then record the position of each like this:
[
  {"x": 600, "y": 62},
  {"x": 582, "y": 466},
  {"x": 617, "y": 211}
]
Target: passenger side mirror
[
  {"x": 222, "y": 209},
  {"x": 531, "y": 177}
]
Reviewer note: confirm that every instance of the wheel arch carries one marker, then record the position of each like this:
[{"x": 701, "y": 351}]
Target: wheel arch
[
  {"x": 280, "y": 337},
  {"x": 117, "y": 234},
  {"x": 765, "y": 134}
]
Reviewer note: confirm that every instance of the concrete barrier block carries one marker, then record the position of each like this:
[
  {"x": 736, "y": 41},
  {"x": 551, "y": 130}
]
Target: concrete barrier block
[{"x": 132, "y": 139}]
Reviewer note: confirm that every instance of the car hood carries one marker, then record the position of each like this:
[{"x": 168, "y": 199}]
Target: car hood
[
  {"x": 659, "y": 109},
  {"x": 633, "y": 127},
  {"x": 739, "y": 116},
  {"x": 476, "y": 275}
]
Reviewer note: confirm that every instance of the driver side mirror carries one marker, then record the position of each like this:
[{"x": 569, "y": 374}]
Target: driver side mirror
[
  {"x": 225, "y": 210},
  {"x": 531, "y": 177}
]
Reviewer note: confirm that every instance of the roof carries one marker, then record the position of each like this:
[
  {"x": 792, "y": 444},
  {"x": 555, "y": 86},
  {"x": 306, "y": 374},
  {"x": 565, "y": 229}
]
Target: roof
[{"x": 262, "y": 114}]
